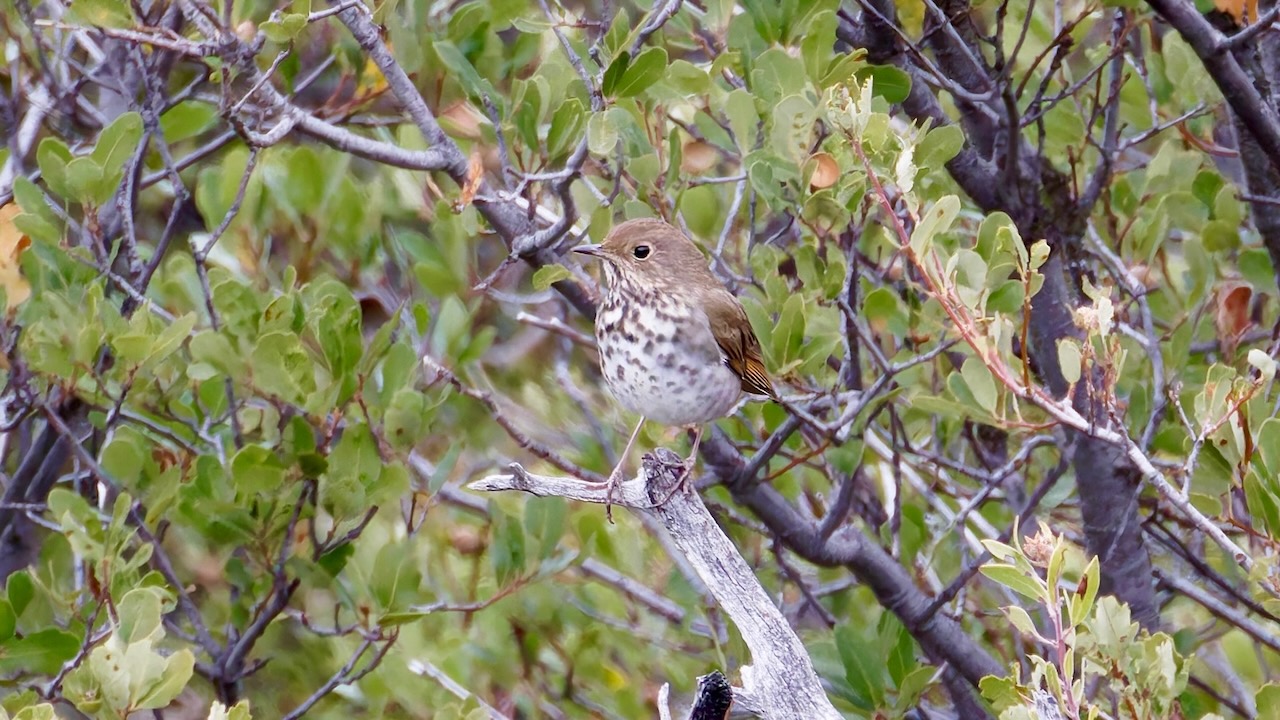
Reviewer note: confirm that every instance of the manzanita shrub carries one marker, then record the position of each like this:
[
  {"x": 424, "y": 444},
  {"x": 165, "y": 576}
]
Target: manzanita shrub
[{"x": 280, "y": 279}]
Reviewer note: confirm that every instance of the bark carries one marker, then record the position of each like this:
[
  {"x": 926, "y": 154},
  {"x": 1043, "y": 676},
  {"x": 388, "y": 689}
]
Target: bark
[
  {"x": 1258, "y": 58},
  {"x": 780, "y": 683},
  {"x": 1025, "y": 186}
]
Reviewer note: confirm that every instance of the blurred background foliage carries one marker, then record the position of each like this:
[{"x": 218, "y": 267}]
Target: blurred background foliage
[{"x": 225, "y": 459}]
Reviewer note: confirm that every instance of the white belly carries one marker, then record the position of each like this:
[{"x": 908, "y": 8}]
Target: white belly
[{"x": 671, "y": 384}]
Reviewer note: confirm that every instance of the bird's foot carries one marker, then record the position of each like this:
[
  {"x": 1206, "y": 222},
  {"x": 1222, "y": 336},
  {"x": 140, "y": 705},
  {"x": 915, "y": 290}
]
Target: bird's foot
[
  {"x": 611, "y": 489},
  {"x": 684, "y": 481},
  {"x": 615, "y": 479}
]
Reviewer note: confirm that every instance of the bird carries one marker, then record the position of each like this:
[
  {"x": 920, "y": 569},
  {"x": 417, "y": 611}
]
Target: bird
[{"x": 676, "y": 347}]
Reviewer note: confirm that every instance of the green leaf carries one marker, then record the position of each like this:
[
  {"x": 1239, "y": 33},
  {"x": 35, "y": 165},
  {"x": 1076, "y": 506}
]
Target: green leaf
[
  {"x": 912, "y": 687},
  {"x": 53, "y": 156},
  {"x": 645, "y": 70},
  {"x": 902, "y": 654},
  {"x": 44, "y": 711},
  {"x": 401, "y": 617},
  {"x": 405, "y": 418},
  {"x": 507, "y": 551},
  {"x": 336, "y": 559},
  {"x": 1000, "y": 551},
  {"x": 935, "y": 221},
  {"x": 1007, "y": 298},
  {"x": 100, "y": 13},
  {"x": 123, "y": 456},
  {"x": 139, "y": 615},
  {"x": 613, "y": 74},
  {"x": 567, "y": 125},
  {"x": 885, "y": 312},
  {"x": 1255, "y": 265},
  {"x": 1069, "y": 359},
  {"x": 83, "y": 178},
  {"x": 863, "y": 666},
  {"x": 444, "y": 468},
  {"x": 740, "y": 109},
  {"x": 1003, "y": 693},
  {"x": 532, "y": 25},
  {"x": 172, "y": 337},
  {"x": 178, "y": 669},
  {"x": 8, "y": 620},
  {"x": 392, "y": 483},
  {"x": 33, "y": 202},
  {"x": 889, "y": 82},
  {"x": 815, "y": 48},
  {"x": 545, "y": 520},
  {"x": 186, "y": 120},
  {"x": 970, "y": 272},
  {"x": 285, "y": 29},
  {"x": 939, "y": 146},
  {"x": 602, "y": 133},
  {"x": 1086, "y": 593},
  {"x": 257, "y": 470},
  {"x": 775, "y": 74},
  {"x": 42, "y": 652},
  {"x": 1261, "y": 502},
  {"x": 548, "y": 275},
  {"x": 461, "y": 69},
  {"x": 281, "y": 367},
  {"x": 1267, "y": 701},
  {"x": 981, "y": 383},
  {"x": 1014, "y": 579},
  {"x": 117, "y": 143},
  {"x": 1020, "y": 619},
  {"x": 214, "y": 350},
  {"x": 21, "y": 591},
  {"x": 356, "y": 458},
  {"x": 1220, "y": 236},
  {"x": 687, "y": 79},
  {"x": 1268, "y": 444}
]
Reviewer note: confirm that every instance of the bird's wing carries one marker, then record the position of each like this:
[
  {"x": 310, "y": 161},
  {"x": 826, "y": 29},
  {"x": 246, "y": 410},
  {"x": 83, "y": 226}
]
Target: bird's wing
[{"x": 741, "y": 347}]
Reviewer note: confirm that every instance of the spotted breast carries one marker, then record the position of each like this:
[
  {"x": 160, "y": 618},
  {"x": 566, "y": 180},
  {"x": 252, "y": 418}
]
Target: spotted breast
[{"x": 660, "y": 359}]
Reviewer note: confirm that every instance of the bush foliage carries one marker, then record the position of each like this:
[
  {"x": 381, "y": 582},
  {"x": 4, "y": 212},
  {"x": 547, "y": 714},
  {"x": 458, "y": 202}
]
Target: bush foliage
[{"x": 1012, "y": 265}]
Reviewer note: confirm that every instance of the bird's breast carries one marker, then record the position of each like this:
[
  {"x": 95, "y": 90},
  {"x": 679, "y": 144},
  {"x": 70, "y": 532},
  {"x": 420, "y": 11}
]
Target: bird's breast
[{"x": 659, "y": 360}]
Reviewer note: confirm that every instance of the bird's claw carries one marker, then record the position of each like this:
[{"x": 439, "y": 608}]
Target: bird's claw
[{"x": 615, "y": 479}]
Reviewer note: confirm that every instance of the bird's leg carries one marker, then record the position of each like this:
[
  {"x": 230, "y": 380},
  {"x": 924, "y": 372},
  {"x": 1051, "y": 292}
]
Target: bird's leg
[
  {"x": 686, "y": 467},
  {"x": 615, "y": 477},
  {"x": 692, "y": 461}
]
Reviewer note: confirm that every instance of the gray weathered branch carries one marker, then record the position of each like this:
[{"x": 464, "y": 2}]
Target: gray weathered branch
[{"x": 781, "y": 682}]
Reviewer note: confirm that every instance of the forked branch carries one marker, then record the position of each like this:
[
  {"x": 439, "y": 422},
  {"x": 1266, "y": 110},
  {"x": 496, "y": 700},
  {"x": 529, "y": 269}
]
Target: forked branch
[{"x": 781, "y": 682}]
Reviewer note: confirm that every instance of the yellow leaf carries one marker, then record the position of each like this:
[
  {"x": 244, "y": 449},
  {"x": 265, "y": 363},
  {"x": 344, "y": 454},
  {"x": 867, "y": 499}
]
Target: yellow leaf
[
  {"x": 1242, "y": 11},
  {"x": 373, "y": 81},
  {"x": 12, "y": 244}
]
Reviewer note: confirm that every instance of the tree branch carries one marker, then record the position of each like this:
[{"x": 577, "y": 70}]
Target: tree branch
[{"x": 781, "y": 678}]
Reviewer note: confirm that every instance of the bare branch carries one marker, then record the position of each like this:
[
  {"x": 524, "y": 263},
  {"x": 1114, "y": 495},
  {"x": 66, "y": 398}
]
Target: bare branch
[{"x": 781, "y": 677}]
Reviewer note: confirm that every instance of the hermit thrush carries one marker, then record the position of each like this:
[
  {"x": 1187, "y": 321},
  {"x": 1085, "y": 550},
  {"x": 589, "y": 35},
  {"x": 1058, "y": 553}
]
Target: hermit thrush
[{"x": 675, "y": 346}]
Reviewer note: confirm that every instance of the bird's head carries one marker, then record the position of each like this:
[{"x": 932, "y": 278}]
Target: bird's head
[{"x": 649, "y": 253}]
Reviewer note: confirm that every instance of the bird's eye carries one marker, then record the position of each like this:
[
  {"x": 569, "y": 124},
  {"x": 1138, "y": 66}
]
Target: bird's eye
[{"x": 641, "y": 252}]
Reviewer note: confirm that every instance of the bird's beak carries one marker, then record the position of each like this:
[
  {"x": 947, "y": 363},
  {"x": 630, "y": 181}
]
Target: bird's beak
[{"x": 593, "y": 250}]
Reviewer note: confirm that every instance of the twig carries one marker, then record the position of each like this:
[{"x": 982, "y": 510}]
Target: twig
[{"x": 429, "y": 669}]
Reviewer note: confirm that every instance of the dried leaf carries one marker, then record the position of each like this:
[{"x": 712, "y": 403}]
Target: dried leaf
[
  {"x": 475, "y": 173},
  {"x": 697, "y": 157},
  {"x": 1231, "y": 314},
  {"x": 825, "y": 171},
  {"x": 1242, "y": 11},
  {"x": 12, "y": 244},
  {"x": 462, "y": 120}
]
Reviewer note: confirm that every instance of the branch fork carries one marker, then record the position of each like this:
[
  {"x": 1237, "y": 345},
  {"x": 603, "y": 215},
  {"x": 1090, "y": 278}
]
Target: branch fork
[{"x": 781, "y": 682}]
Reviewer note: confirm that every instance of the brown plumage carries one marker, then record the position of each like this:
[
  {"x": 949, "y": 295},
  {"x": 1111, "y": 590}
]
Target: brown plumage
[
  {"x": 734, "y": 334},
  {"x": 676, "y": 268},
  {"x": 675, "y": 345}
]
